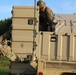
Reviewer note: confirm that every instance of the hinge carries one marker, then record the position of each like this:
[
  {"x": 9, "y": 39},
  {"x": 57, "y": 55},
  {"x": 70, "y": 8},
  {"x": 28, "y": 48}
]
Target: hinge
[
  {"x": 34, "y": 33},
  {"x": 34, "y": 45}
]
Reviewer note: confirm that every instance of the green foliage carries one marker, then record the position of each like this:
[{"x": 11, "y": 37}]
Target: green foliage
[
  {"x": 4, "y": 66},
  {"x": 5, "y": 25},
  {"x": 4, "y": 61}
]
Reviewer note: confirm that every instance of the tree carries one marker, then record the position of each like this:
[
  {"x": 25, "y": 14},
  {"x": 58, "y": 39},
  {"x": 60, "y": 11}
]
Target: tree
[{"x": 5, "y": 25}]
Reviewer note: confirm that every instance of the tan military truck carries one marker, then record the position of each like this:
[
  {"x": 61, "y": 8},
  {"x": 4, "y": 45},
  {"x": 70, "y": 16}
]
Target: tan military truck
[{"x": 43, "y": 52}]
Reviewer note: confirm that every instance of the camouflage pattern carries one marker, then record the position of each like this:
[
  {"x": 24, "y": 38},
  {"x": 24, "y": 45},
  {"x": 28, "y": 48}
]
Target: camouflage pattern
[
  {"x": 50, "y": 13},
  {"x": 41, "y": 4},
  {"x": 38, "y": 2},
  {"x": 46, "y": 16},
  {"x": 6, "y": 51},
  {"x": 46, "y": 19}
]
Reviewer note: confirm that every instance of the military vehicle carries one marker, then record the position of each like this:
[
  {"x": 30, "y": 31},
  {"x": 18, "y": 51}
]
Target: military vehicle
[{"x": 43, "y": 52}]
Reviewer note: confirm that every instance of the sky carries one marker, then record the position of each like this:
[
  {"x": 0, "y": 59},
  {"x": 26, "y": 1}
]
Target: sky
[{"x": 57, "y": 6}]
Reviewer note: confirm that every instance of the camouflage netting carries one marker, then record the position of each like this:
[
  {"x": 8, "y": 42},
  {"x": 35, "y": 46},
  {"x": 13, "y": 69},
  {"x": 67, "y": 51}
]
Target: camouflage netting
[{"x": 6, "y": 51}]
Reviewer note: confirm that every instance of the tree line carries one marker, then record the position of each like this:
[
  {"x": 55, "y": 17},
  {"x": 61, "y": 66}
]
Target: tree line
[{"x": 5, "y": 25}]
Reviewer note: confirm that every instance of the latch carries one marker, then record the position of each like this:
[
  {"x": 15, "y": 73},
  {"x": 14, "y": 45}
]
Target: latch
[
  {"x": 30, "y": 21},
  {"x": 53, "y": 38}
]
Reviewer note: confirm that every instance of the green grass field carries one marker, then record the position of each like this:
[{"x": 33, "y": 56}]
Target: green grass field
[{"x": 4, "y": 66}]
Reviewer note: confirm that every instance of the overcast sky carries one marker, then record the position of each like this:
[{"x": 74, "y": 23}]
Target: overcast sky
[{"x": 57, "y": 6}]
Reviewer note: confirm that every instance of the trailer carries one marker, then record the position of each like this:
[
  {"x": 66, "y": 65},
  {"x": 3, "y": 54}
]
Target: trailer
[{"x": 43, "y": 52}]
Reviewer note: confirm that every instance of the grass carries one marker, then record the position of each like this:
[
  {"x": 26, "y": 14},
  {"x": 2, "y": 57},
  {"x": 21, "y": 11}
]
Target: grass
[{"x": 4, "y": 66}]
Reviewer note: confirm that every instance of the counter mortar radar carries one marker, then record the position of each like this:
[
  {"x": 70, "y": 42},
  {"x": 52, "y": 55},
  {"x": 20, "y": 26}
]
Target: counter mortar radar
[{"x": 44, "y": 52}]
